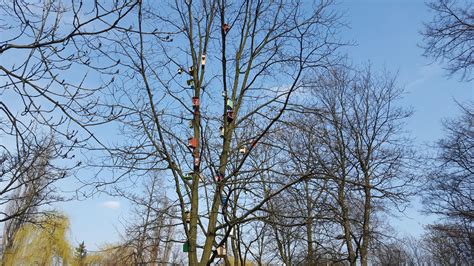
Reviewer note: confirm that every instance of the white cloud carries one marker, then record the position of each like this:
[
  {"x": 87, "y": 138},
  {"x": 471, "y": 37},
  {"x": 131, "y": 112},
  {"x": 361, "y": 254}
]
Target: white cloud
[{"x": 111, "y": 204}]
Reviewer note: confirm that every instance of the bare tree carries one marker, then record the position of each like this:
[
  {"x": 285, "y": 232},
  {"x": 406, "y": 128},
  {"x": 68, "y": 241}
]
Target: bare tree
[
  {"x": 198, "y": 90},
  {"x": 361, "y": 150},
  {"x": 150, "y": 229},
  {"x": 449, "y": 244},
  {"x": 450, "y": 35},
  {"x": 449, "y": 186},
  {"x": 43, "y": 47},
  {"x": 448, "y": 190}
]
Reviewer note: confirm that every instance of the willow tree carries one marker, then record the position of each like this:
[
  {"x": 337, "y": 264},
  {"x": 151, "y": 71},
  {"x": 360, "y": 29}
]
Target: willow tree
[
  {"x": 42, "y": 242},
  {"x": 31, "y": 185},
  {"x": 199, "y": 85}
]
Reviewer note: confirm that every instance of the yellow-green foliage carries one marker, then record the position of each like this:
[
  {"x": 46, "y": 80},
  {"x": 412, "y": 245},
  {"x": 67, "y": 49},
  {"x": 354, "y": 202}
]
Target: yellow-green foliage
[
  {"x": 40, "y": 243},
  {"x": 111, "y": 255}
]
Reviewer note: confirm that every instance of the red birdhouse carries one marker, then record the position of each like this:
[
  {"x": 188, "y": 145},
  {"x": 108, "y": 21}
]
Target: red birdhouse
[
  {"x": 192, "y": 143},
  {"x": 230, "y": 116},
  {"x": 195, "y": 101},
  {"x": 226, "y": 28}
]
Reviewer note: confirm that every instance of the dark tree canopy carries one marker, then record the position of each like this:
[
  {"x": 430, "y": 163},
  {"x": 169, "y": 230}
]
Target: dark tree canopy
[
  {"x": 449, "y": 36},
  {"x": 450, "y": 185}
]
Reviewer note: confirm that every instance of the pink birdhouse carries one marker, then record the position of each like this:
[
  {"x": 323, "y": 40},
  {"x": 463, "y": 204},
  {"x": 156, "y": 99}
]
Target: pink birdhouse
[{"x": 219, "y": 178}]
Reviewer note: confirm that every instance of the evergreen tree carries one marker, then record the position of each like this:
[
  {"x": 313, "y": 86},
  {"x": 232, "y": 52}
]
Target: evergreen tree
[{"x": 80, "y": 254}]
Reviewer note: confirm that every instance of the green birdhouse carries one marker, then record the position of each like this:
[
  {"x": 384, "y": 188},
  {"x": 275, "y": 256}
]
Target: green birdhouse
[
  {"x": 186, "y": 247},
  {"x": 189, "y": 176}
]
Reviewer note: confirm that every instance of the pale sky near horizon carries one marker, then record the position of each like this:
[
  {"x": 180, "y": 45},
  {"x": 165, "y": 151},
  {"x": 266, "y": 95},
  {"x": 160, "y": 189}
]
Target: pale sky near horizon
[{"x": 386, "y": 33}]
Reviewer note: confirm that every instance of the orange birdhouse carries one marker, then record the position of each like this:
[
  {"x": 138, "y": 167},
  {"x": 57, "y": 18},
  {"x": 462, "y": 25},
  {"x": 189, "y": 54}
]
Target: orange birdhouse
[
  {"x": 203, "y": 60},
  {"x": 195, "y": 101},
  {"x": 192, "y": 143}
]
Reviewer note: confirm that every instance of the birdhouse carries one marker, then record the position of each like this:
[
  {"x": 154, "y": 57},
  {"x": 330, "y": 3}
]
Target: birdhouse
[
  {"x": 223, "y": 200},
  {"x": 221, "y": 252},
  {"x": 180, "y": 70},
  {"x": 196, "y": 161},
  {"x": 190, "y": 82},
  {"x": 223, "y": 93},
  {"x": 189, "y": 176},
  {"x": 219, "y": 178},
  {"x": 222, "y": 130},
  {"x": 203, "y": 60},
  {"x": 186, "y": 247},
  {"x": 226, "y": 27},
  {"x": 195, "y": 101},
  {"x": 192, "y": 143},
  {"x": 230, "y": 116},
  {"x": 191, "y": 70},
  {"x": 254, "y": 143},
  {"x": 230, "y": 104},
  {"x": 190, "y": 123},
  {"x": 188, "y": 216},
  {"x": 243, "y": 150}
]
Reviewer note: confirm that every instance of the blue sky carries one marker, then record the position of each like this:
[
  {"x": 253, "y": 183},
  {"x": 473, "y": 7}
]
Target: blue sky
[{"x": 386, "y": 33}]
